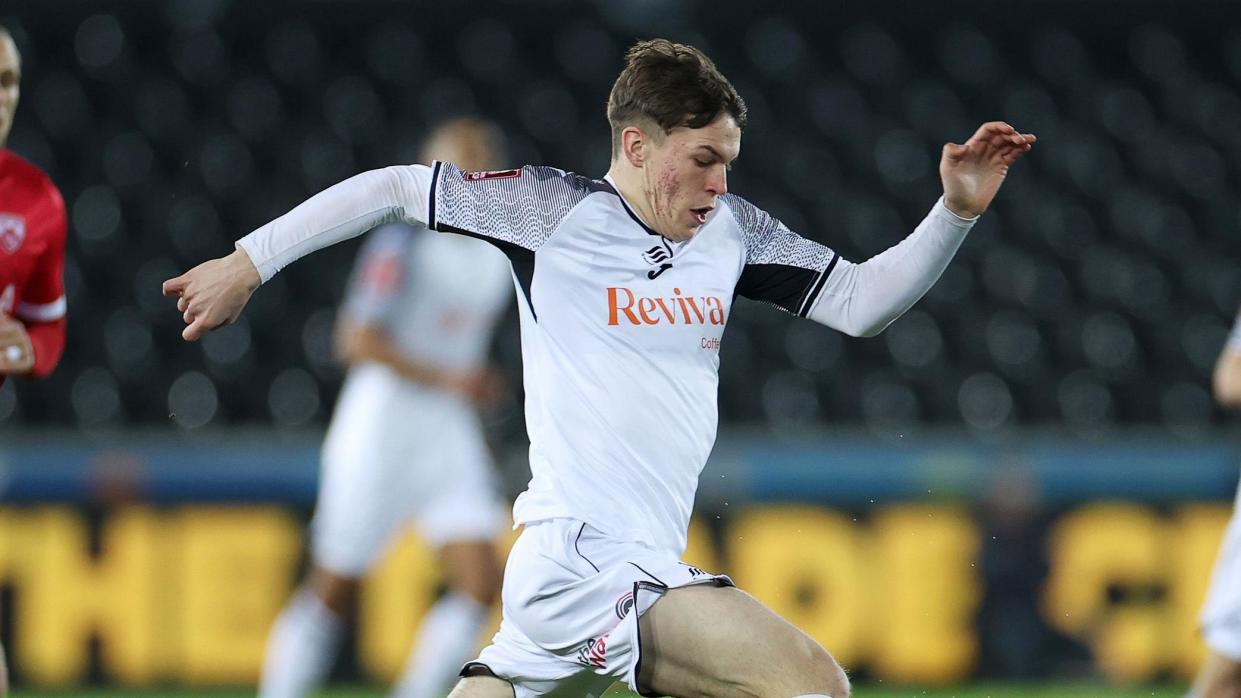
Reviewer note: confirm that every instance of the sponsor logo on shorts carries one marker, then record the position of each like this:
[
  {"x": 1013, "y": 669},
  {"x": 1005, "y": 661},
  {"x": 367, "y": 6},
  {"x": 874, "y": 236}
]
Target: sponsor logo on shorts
[
  {"x": 594, "y": 653},
  {"x": 624, "y": 604}
]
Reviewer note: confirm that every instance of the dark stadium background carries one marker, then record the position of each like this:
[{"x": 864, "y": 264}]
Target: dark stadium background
[{"x": 1061, "y": 365}]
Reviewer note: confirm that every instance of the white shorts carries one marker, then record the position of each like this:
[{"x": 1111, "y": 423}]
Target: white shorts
[
  {"x": 1221, "y": 614},
  {"x": 572, "y": 597},
  {"x": 396, "y": 454}
]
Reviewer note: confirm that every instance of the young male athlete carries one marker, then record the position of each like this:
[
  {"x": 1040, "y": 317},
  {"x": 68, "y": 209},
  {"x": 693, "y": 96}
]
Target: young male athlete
[
  {"x": 32, "y": 255},
  {"x": 405, "y": 442},
  {"x": 1220, "y": 675},
  {"x": 624, "y": 288}
]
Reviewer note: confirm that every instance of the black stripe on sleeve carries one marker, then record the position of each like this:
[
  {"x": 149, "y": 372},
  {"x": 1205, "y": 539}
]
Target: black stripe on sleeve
[
  {"x": 780, "y": 284},
  {"x": 813, "y": 293},
  {"x": 435, "y": 178}
]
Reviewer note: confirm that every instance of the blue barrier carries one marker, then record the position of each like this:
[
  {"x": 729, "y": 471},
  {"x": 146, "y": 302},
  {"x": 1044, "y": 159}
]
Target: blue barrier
[{"x": 832, "y": 469}]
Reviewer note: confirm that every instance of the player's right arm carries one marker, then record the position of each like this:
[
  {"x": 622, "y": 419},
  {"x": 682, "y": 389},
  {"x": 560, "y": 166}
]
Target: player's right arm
[
  {"x": 214, "y": 292},
  {"x": 1226, "y": 380}
]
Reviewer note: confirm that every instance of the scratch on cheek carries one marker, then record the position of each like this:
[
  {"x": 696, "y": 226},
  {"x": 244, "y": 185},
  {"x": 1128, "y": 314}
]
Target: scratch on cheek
[{"x": 668, "y": 188}]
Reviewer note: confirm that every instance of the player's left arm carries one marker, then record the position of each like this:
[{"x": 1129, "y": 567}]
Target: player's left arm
[
  {"x": 32, "y": 342},
  {"x": 863, "y": 299}
]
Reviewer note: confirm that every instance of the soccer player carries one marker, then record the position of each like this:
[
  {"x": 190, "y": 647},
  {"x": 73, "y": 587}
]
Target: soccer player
[
  {"x": 32, "y": 255},
  {"x": 624, "y": 287},
  {"x": 405, "y": 441},
  {"x": 1220, "y": 675}
]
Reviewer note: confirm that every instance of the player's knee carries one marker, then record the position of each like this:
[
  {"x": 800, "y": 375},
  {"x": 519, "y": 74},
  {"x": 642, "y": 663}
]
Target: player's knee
[
  {"x": 482, "y": 584},
  {"x": 482, "y": 687},
  {"x": 334, "y": 591},
  {"x": 821, "y": 669},
  {"x": 801, "y": 667},
  {"x": 487, "y": 592},
  {"x": 837, "y": 681},
  {"x": 1229, "y": 681}
]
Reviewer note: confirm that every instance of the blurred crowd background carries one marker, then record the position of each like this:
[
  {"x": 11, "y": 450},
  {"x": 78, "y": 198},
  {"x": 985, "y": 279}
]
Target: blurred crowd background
[
  {"x": 1096, "y": 293},
  {"x": 1087, "y": 307}
]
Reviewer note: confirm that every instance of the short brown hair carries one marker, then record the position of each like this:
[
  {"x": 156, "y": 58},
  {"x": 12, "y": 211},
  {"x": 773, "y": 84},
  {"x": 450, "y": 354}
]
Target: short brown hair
[{"x": 671, "y": 85}]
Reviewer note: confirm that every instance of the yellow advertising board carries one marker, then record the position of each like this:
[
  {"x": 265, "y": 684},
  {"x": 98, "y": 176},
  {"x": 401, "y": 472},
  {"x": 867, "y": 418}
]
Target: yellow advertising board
[{"x": 187, "y": 594}]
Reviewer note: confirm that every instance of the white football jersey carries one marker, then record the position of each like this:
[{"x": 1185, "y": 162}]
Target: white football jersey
[
  {"x": 621, "y": 328},
  {"x": 620, "y": 333}
]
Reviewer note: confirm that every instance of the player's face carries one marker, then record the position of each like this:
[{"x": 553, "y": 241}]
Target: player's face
[
  {"x": 10, "y": 84},
  {"x": 687, "y": 171}
]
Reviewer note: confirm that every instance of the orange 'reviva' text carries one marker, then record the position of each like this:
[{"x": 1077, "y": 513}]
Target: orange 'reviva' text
[{"x": 623, "y": 304}]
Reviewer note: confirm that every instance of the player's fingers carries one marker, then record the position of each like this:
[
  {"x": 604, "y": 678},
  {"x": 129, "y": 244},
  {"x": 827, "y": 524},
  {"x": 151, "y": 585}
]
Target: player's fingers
[
  {"x": 1021, "y": 147},
  {"x": 954, "y": 151},
  {"x": 175, "y": 286},
  {"x": 992, "y": 128},
  {"x": 188, "y": 316},
  {"x": 1010, "y": 155},
  {"x": 183, "y": 303},
  {"x": 194, "y": 331}
]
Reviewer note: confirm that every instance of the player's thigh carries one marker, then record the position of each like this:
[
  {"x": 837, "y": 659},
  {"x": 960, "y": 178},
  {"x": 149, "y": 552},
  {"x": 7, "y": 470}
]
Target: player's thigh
[
  {"x": 1219, "y": 677},
  {"x": 720, "y": 642},
  {"x": 482, "y": 687}
]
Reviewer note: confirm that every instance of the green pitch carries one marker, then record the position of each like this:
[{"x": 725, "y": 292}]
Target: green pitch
[{"x": 868, "y": 690}]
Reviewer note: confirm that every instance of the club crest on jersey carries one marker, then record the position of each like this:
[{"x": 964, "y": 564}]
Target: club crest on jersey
[
  {"x": 491, "y": 174},
  {"x": 658, "y": 255},
  {"x": 12, "y": 232}
]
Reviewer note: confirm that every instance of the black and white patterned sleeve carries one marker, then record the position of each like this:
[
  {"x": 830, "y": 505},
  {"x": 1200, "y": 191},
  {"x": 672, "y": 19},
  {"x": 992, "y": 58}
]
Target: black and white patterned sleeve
[
  {"x": 781, "y": 267},
  {"x": 512, "y": 209}
]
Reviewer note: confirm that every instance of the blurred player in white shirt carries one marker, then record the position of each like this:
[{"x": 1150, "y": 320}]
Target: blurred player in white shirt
[
  {"x": 405, "y": 445},
  {"x": 624, "y": 288},
  {"x": 1220, "y": 675}
]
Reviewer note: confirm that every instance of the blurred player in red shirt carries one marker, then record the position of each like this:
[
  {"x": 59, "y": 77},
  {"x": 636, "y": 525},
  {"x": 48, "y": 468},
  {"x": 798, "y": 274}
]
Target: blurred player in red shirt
[
  {"x": 32, "y": 247},
  {"x": 32, "y": 255}
]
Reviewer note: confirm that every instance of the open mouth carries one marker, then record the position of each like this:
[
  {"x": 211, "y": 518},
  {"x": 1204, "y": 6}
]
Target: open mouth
[{"x": 700, "y": 214}]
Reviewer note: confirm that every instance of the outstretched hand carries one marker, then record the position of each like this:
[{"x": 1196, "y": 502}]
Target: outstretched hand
[
  {"x": 213, "y": 293},
  {"x": 972, "y": 173}
]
